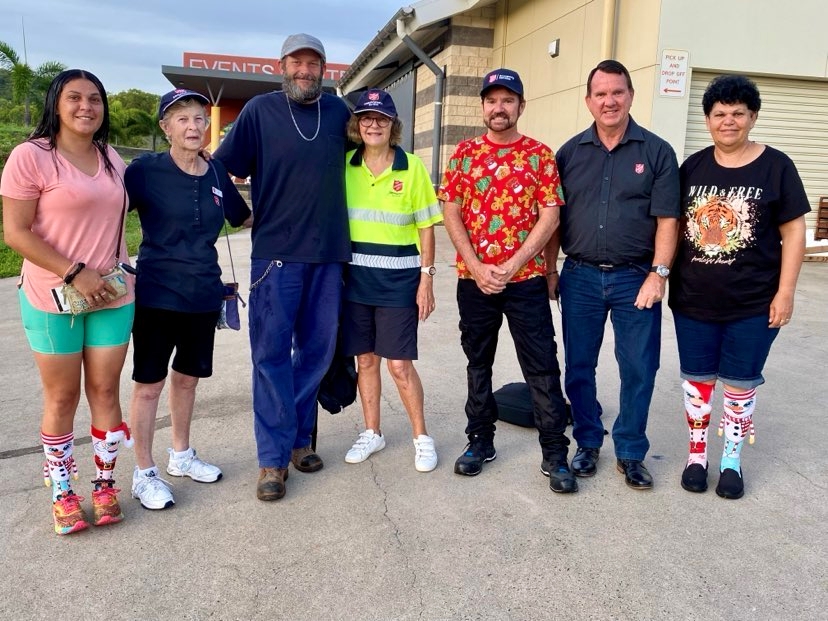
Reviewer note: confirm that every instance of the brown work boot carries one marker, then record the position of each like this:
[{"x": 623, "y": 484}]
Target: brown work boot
[
  {"x": 271, "y": 484},
  {"x": 305, "y": 460}
]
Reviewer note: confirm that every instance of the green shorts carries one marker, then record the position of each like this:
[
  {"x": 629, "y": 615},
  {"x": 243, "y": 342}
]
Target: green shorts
[{"x": 55, "y": 333}]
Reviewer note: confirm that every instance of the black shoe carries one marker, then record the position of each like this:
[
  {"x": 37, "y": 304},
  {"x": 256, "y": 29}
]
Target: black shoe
[
  {"x": 478, "y": 450},
  {"x": 584, "y": 462},
  {"x": 635, "y": 474},
  {"x": 731, "y": 485},
  {"x": 694, "y": 478},
  {"x": 561, "y": 479}
]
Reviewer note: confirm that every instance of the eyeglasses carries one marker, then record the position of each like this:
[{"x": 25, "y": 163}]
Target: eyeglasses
[{"x": 367, "y": 121}]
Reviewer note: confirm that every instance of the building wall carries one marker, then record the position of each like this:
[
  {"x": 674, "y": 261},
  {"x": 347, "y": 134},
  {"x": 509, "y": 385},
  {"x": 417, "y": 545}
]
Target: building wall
[
  {"x": 758, "y": 37},
  {"x": 555, "y": 87},
  {"x": 752, "y": 36},
  {"x": 764, "y": 37},
  {"x": 466, "y": 56}
]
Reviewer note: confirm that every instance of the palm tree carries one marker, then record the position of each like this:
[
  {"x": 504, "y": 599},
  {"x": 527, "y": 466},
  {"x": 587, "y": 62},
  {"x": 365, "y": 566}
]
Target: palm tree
[{"x": 27, "y": 83}]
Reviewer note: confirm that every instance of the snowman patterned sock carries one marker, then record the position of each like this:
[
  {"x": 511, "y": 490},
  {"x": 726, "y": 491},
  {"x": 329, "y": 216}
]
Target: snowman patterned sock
[
  {"x": 59, "y": 464},
  {"x": 736, "y": 425}
]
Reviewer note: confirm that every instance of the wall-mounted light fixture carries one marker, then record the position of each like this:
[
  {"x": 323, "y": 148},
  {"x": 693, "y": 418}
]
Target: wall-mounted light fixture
[{"x": 554, "y": 48}]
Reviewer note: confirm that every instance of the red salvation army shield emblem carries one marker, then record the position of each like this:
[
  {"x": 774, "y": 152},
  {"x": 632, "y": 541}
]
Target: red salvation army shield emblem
[
  {"x": 639, "y": 169},
  {"x": 398, "y": 185},
  {"x": 373, "y": 96}
]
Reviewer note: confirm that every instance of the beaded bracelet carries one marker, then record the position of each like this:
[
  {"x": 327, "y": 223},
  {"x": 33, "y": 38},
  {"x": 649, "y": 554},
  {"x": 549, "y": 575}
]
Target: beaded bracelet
[{"x": 71, "y": 275}]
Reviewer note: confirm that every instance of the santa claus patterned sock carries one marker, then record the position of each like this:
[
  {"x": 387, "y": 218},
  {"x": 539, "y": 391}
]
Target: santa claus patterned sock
[
  {"x": 736, "y": 424},
  {"x": 106, "y": 445},
  {"x": 697, "y": 410},
  {"x": 59, "y": 464}
]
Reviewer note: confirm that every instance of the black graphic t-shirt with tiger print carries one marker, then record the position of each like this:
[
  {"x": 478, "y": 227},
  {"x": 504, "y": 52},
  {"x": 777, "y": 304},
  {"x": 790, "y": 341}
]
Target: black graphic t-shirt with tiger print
[{"x": 729, "y": 252}]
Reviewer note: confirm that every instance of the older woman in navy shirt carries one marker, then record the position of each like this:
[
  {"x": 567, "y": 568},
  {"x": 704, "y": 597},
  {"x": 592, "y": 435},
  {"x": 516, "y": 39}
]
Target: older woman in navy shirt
[{"x": 182, "y": 201}]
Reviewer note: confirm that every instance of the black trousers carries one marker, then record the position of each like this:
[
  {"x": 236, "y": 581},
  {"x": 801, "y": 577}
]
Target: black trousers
[{"x": 526, "y": 308}]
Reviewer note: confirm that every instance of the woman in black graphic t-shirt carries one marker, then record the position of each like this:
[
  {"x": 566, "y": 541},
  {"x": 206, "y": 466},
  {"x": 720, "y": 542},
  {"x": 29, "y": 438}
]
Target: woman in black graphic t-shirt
[{"x": 732, "y": 285}]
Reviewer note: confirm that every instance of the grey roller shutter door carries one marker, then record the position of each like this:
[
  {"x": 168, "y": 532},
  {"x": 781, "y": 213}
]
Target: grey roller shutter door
[{"x": 793, "y": 119}]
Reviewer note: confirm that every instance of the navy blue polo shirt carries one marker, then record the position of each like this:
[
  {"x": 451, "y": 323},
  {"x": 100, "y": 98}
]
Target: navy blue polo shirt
[
  {"x": 181, "y": 216},
  {"x": 614, "y": 197}
]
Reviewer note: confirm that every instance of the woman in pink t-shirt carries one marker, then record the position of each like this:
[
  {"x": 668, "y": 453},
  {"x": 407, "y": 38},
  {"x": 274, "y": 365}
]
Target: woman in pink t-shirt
[{"x": 63, "y": 208}]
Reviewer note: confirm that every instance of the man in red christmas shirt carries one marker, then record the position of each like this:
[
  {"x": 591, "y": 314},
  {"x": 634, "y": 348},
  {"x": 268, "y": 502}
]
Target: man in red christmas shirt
[{"x": 501, "y": 197}]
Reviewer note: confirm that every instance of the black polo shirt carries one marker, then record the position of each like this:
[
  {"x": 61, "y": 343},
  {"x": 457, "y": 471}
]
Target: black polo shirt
[{"x": 613, "y": 197}]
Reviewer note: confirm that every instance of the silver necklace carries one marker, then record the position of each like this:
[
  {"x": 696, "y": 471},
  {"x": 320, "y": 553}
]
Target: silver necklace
[{"x": 296, "y": 125}]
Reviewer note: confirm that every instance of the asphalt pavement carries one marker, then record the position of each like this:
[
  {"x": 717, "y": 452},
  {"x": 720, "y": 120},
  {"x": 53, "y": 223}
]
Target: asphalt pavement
[{"x": 379, "y": 540}]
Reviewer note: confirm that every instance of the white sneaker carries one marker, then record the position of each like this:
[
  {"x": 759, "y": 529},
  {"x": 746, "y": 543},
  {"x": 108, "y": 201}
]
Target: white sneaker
[
  {"x": 425, "y": 456},
  {"x": 367, "y": 443},
  {"x": 153, "y": 491},
  {"x": 191, "y": 466}
]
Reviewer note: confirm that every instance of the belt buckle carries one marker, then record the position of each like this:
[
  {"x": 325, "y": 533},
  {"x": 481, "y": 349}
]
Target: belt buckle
[{"x": 605, "y": 266}]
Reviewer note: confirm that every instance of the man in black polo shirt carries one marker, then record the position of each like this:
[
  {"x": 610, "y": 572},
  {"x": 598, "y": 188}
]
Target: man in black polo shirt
[{"x": 619, "y": 231}]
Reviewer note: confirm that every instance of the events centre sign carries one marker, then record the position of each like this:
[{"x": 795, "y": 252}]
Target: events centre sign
[{"x": 249, "y": 64}]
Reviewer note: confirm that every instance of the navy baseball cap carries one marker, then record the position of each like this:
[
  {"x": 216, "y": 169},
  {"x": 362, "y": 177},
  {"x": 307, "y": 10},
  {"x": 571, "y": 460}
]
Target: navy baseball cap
[
  {"x": 170, "y": 98},
  {"x": 502, "y": 77},
  {"x": 375, "y": 100},
  {"x": 302, "y": 41}
]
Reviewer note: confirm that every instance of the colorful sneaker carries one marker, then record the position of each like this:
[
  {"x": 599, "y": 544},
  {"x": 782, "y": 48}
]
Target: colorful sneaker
[
  {"x": 191, "y": 466},
  {"x": 153, "y": 491},
  {"x": 425, "y": 455},
  {"x": 366, "y": 445},
  {"x": 68, "y": 514},
  {"x": 105, "y": 507}
]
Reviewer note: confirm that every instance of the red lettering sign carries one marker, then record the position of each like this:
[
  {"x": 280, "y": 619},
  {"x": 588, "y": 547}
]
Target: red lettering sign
[{"x": 249, "y": 64}]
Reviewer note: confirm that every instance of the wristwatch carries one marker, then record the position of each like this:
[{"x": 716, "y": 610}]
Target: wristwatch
[
  {"x": 661, "y": 270},
  {"x": 431, "y": 270}
]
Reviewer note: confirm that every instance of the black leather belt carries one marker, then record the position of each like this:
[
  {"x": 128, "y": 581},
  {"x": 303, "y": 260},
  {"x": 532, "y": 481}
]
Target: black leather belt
[{"x": 605, "y": 267}]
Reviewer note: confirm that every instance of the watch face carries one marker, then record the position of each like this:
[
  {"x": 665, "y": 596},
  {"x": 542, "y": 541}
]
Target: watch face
[
  {"x": 432, "y": 270},
  {"x": 663, "y": 271}
]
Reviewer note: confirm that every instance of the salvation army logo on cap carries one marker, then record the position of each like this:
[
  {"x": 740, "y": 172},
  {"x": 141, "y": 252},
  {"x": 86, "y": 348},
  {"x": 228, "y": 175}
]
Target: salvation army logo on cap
[
  {"x": 505, "y": 78},
  {"x": 376, "y": 100}
]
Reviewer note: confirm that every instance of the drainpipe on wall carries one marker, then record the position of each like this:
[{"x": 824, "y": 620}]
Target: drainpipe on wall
[
  {"x": 438, "y": 99},
  {"x": 608, "y": 29}
]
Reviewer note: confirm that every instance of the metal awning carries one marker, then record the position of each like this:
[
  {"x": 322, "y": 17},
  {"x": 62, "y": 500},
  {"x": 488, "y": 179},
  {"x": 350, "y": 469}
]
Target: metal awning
[
  {"x": 218, "y": 85},
  {"x": 425, "y": 22}
]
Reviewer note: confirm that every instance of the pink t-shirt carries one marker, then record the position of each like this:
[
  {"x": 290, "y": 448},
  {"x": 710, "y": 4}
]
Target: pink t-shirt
[{"x": 78, "y": 215}]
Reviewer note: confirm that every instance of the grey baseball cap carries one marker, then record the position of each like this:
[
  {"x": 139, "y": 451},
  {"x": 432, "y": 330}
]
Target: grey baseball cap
[{"x": 302, "y": 41}]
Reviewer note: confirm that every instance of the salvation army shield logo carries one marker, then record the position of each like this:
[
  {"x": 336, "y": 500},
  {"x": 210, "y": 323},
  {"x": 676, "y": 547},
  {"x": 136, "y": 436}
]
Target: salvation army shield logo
[
  {"x": 398, "y": 185},
  {"x": 373, "y": 96},
  {"x": 639, "y": 169}
]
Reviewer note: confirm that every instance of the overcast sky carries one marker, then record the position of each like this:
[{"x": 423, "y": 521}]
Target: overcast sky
[{"x": 125, "y": 43}]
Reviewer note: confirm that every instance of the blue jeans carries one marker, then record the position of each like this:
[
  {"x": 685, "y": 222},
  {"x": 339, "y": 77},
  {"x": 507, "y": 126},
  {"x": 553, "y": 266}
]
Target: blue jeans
[
  {"x": 733, "y": 351},
  {"x": 526, "y": 307},
  {"x": 294, "y": 314},
  {"x": 588, "y": 295}
]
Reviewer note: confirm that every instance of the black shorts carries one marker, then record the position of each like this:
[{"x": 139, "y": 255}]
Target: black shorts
[
  {"x": 156, "y": 332},
  {"x": 390, "y": 333}
]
